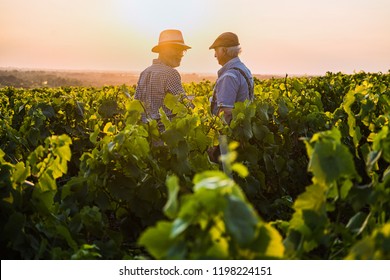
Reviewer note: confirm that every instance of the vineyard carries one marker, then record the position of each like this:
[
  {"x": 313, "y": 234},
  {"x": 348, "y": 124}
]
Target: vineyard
[{"x": 306, "y": 174}]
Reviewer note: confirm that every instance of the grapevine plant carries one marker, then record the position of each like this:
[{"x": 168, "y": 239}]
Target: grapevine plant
[{"x": 307, "y": 175}]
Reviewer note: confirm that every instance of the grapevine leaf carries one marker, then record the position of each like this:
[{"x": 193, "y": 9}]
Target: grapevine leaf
[
  {"x": 240, "y": 220},
  {"x": 282, "y": 109},
  {"x": 47, "y": 182},
  {"x": 108, "y": 109},
  {"x": 330, "y": 160},
  {"x": 157, "y": 239},
  {"x": 268, "y": 242},
  {"x": 14, "y": 227},
  {"x": 134, "y": 109},
  {"x": 240, "y": 169},
  {"x": 64, "y": 232},
  {"x": 171, "y": 207},
  {"x": 178, "y": 226},
  {"x": 373, "y": 247},
  {"x": 21, "y": 173},
  {"x": 357, "y": 223}
]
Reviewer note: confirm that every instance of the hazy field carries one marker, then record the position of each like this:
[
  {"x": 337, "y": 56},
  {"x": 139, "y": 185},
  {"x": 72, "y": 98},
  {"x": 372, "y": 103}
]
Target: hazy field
[{"x": 55, "y": 78}]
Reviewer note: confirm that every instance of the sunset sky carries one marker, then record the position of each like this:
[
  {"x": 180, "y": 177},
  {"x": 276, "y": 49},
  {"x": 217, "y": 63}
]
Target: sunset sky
[{"x": 277, "y": 37}]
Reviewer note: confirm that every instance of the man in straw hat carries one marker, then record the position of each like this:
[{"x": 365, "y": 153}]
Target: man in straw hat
[
  {"x": 161, "y": 78},
  {"x": 235, "y": 81}
]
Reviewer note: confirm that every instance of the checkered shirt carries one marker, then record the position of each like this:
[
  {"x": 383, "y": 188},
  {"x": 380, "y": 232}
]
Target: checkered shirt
[{"x": 154, "y": 83}]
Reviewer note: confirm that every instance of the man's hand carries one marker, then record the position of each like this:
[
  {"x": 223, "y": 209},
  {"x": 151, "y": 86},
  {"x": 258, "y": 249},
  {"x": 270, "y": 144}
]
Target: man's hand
[
  {"x": 227, "y": 114},
  {"x": 214, "y": 153}
]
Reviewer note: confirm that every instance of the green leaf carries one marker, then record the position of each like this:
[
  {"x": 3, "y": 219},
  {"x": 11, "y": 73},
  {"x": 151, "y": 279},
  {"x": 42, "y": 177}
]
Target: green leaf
[
  {"x": 173, "y": 103},
  {"x": 57, "y": 168},
  {"x": 182, "y": 151},
  {"x": 172, "y": 205},
  {"x": 373, "y": 247},
  {"x": 260, "y": 131},
  {"x": 109, "y": 128},
  {"x": 140, "y": 146},
  {"x": 14, "y": 226},
  {"x": 62, "y": 148},
  {"x": 157, "y": 240},
  {"x": 268, "y": 243},
  {"x": 212, "y": 180},
  {"x": 47, "y": 110},
  {"x": 202, "y": 141},
  {"x": 345, "y": 188},
  {"x": 87, "y": 252},
  {"x": 33, "y": 136},
  {"x": 172, "y": 137},
  {"x": 149, "y": 193},
  {"x": 46, "y": 182},
  {"x": 313, "y": 198},
  {"x": 372, "y": 160},
  {"x": 43, "y": 200},
  {"x": 2, "y": 154},
  {"x": 330, "y": 160},
  {"x": 382, "y": 143},
  {"x": 64, "y": 232},
  {"x": 240, "y": 220},
  {"x": 134, "y": 110},
  {"x": 170, "y": 101},
  {"x": 241, "y": 169},
  {"x": 262, "y": 111},
  {"x": 357, "y": 223},
  {"x": 120, "y": 187},
  {"x": 354, "y": 130},
  {"x": 109, "y": 108},
  {"x": 21, "y": 173},
  {"x": 91, "y": 218},
  {"x": 95, "y": 134},
  {"x": 282, "y": 109},
  {"x": 179, "y": 226}
]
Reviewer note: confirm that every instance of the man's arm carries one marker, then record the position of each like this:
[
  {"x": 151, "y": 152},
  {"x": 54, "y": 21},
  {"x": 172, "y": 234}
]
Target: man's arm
[
  {"x": 228, "y": 86},
  {"x": 173, "y": 83},
  {"x": 227, "y": 113}
]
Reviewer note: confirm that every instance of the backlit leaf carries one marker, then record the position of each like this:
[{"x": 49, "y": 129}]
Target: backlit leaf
[
  {"x": 240, "y": 220},
  {"x": 171, "y": 207}
]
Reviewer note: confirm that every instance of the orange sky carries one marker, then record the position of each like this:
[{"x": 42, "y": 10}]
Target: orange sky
[{"x": 277, "y": 37}]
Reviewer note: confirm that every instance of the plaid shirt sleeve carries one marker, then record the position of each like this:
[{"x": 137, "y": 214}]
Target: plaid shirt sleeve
[{"x": 173, "y": 83}]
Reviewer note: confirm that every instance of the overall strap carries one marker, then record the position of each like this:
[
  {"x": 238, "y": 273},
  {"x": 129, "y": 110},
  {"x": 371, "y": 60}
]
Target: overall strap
[{"x": 250, "y": 88}]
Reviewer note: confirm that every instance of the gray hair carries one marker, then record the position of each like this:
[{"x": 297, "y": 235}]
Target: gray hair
[{"x": 233, "y": 51}]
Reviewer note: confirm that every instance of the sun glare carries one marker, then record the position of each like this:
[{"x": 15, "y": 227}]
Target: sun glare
[
  {"x": 148, "y": 16},
  {"x": 145, "y": 19}
]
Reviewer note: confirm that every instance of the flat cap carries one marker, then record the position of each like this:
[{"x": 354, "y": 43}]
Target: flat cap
[{"x": 227, "y": 39}]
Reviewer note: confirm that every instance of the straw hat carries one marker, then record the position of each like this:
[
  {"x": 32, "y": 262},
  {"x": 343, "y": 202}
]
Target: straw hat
[{"x": 170, "y": 37}]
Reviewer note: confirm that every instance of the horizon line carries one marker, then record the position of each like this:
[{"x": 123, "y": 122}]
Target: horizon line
[{"x": 134, "y": 72}]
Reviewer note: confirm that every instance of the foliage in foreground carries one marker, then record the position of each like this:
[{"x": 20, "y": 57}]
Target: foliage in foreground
[{"x": 82, "y": 178}]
